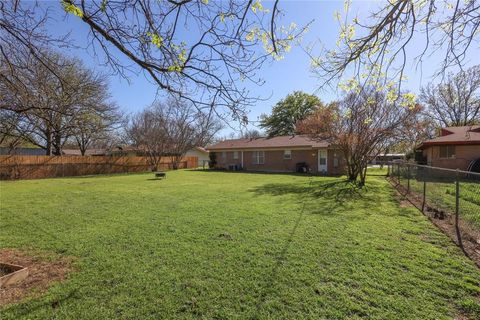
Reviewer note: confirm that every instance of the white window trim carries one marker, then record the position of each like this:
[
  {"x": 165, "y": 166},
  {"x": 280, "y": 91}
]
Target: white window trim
[
  {"x": 235, "y": 155},
  {"x": 257, "y": 157},
  {"x": 448, "y": 147},
  {"x": 287, "y": 156}
]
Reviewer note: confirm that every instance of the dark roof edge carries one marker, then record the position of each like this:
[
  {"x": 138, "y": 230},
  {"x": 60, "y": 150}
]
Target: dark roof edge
[{"x": 436, "y": 143}]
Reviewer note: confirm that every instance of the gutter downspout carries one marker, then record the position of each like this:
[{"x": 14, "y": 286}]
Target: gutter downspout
[{"x": 242, "y": 159}]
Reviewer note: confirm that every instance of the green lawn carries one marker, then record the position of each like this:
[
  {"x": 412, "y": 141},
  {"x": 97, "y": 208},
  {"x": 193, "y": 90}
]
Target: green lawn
[
  {"x": 441, "y": 195},
  {"x": 217, "y": 245}
]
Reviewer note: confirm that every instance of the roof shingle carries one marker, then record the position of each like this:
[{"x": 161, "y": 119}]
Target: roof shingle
[
  {"x": 273, "y": 142},
  {"x": 455, "y": 135}
]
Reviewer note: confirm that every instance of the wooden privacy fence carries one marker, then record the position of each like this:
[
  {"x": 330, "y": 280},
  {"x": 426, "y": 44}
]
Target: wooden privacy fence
[{"x": 38, "y": 167}]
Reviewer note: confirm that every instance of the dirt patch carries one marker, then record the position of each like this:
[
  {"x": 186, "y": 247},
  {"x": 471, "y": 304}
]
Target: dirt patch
[
  {"x": 445, "y": 222},
  {"x": 403, "y": 202},
  {"x": 43, "y": 271}
]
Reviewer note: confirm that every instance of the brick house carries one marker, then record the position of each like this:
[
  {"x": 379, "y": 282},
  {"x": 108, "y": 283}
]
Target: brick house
[
  {"x": 454, "y": 148},
  {"x": 201, "y": 154},
  {"x": 278, "y": 154}
]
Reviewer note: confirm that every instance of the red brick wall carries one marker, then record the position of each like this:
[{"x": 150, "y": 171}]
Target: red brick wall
[
  {"x": 275, "y": 162},
  {"x": 340, "y": 163},
  {"x": 463, "y": 156}
]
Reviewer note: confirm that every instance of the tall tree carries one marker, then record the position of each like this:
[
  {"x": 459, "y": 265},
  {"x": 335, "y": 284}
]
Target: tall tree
[
  {"x": 395, "y": 32},
  {"x": 361, "y": 125},
  {"x": 186, "y": 128},
  {"x": 94, "y": 125},
  {"x": 49, "y": 99},
  {"x": 171, "y": 128},
  {"x": 250, "y": 134},
  {"x": 287, "y": 112},
  {"x": 147, "y": 132},
  {"x": 456, "y": 102}
]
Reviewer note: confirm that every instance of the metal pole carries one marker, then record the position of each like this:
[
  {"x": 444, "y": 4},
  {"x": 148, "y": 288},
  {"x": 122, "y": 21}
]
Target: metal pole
[
  {"x": 424, "y": 193},
  {"x": 457, "y": 210},
  {"x": 408, "y": 178}
]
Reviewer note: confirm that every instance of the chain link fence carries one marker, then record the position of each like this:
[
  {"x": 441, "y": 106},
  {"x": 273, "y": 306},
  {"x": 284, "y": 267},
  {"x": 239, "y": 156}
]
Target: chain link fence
[{"x": 451, "y": 198}]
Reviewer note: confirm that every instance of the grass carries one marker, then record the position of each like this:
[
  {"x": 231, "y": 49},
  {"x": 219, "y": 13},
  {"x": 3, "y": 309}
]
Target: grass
[
  {"x": 442, "y": 195},
  {"x": 218, "y": 245}
]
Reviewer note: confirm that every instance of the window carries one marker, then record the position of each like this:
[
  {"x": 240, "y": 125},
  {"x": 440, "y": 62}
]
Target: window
[
  {"x": 235, "y": 154},
  {"x": 224, "y": 155},
  {"x": 287, "y": 154},
  {"x": 447, "y": 151},
  {"x": 258, "y": 157}
]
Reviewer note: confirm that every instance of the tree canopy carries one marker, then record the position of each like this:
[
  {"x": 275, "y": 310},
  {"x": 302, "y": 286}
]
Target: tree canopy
[
  {"x": 204, "y": 52},
  {"x": 47, "y": 104},
  {"x": 456, "y": 102},
  {"x": 361, "y": 125},
  {"x": 379, "y": 46},
  {"x": 171, "y": 127},
  {"x": 287, "y": 112}
]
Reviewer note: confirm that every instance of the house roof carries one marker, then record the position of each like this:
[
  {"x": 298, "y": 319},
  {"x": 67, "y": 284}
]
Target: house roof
[
  {"x": 88, "y": 152},
  {"x": 201, "y": 149},
  {"x": 273, "y": 142},
  {"x": 455, "y": 136}
]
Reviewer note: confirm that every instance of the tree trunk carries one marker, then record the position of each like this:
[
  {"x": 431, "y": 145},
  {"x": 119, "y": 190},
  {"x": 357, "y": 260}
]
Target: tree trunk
[
  {"x": 48, "y": 144},
  {"x": 57, "y": 145},
  {"x": 363, "y": 176}
]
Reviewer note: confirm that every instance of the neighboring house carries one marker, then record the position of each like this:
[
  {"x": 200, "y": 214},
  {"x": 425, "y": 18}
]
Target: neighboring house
[
  {"x": 88, "y": 152},
  {"x": 128, "y": 151},
  {"x": 278, "y": 154},
  {"x": 201, "y": 154},
  {"x": 22, "y": 151},
  {"x": 385, "y": 158},
  {"x": 455, "y": 148}
]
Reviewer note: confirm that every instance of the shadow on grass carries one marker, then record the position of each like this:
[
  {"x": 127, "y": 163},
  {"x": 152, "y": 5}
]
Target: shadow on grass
[
  {"x": 272, "y": 277},
  {"x": 338, "y": 190},
  {"x": 324, "y": 197},
  {"x": 316, "y": 197},
  {"x": 298, "y": 174},
  {"x": 52, "y": 302}
]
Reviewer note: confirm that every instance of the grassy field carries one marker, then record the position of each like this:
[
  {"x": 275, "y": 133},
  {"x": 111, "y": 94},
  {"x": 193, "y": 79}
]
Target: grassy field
[
  {"x": 217, "y": 245},
  {"x": 442, "y": 196}
]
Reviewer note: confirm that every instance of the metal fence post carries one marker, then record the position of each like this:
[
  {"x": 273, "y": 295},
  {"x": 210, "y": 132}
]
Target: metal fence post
[
  {"x": 424, "y": 193},
  {"x": 408, "y": 178},
  {"x": 457, "y": 209}
]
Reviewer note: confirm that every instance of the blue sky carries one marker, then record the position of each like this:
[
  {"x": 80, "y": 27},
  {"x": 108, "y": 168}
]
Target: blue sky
[{"x": 281, "y": 77}]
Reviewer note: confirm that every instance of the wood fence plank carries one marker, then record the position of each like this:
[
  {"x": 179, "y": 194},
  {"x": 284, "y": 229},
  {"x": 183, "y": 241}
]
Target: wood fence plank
[{"x": 37, "y": 167}]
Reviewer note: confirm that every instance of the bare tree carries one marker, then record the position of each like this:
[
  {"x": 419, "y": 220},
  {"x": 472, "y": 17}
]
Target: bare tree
[
  {"x": 49, "y": 107},
  {"x": 23, "y": 42},
  {"x": 147, "y": 132},
  {"x": 250, "y": 134},
  {"x": 455, "y": 102},
  {"x": 360, "y": 126},
  {"x": 171, "y": 128},
  {"x": 186, "y": 128},
  {"x": 9, "y": 136},
  {"x": 94, "y": 125}
]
